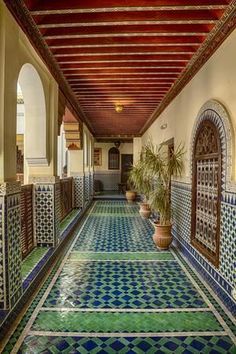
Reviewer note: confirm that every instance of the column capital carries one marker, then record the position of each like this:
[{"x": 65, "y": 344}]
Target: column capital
[
  {"x": 8, "y": 188},
  {"x": 44, "y": 179}
]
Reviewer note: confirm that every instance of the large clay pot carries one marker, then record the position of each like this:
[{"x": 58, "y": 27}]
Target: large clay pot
[
  {"x": 130, "y": 196},
  {"x": 145, "y": 210},
  {"x": 162, "y": 236}
]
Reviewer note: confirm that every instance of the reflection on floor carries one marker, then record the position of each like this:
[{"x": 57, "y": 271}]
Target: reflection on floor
[
  {"x": 109, "y": 195},
  {"x": 115, "y": 293}
]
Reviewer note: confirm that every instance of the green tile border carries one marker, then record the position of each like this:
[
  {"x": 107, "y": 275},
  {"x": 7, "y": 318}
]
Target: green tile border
[
  {"x": 124, "y": 256},
  {"x": 67, "y": 220},
  {"x": 32, "y": 260},
  {"x": 216, "y": 302},
  {"x": 126, "y": 322},
  {"x": 17, "y": 332}
]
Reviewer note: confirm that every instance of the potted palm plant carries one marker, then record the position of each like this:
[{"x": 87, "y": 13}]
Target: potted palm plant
[
  {"x": 130, "y": 193},
  {"x": 142, "y": 183},
  {"x": 161, "y": 166}
]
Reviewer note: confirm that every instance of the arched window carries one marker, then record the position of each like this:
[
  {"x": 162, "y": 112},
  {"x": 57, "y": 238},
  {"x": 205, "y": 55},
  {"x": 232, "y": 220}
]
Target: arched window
[
  {"x": 207, "y": 175},
  {"x": 113, "y": 159}
]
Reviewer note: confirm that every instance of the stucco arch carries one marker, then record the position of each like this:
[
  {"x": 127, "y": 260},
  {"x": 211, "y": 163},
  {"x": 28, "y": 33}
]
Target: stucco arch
[{"x": 35, "y": 115}]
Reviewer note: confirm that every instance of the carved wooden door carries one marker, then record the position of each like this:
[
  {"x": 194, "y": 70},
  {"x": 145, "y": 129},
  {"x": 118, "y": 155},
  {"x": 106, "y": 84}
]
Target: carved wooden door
[{"x": 206, "y": 191}]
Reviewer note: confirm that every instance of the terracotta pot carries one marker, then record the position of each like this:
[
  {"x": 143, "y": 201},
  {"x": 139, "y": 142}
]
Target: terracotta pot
[
  {"x": 130, "y": 196},
  {"x": 145, "y": 210},
  {"x": 162, "y": 236}
]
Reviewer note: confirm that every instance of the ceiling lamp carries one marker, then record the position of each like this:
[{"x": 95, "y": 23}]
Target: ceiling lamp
[
  {"x": 118, "y": 108},
  {"x": 117, "y": 144}
]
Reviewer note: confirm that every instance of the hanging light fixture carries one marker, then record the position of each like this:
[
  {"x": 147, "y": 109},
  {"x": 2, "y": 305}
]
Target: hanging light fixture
[
  {"x": 118, "y": 108},
  {"x": 117, "y": 144}
]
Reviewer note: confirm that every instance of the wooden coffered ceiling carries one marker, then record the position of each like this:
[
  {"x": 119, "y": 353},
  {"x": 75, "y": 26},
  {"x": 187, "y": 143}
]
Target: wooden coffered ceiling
[{"x": 137, "y": 53}]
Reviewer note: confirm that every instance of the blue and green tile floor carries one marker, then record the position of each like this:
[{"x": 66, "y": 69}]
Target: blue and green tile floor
[{"x": 114, "y": 292}]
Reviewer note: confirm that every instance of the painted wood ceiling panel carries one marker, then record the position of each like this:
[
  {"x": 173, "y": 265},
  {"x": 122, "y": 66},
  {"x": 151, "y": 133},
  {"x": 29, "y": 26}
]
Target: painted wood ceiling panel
[{"x": 137, "y": 53}]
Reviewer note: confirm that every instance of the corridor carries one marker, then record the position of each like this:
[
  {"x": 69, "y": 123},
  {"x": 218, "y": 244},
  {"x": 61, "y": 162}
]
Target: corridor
[{"x": 114, "y": 292}]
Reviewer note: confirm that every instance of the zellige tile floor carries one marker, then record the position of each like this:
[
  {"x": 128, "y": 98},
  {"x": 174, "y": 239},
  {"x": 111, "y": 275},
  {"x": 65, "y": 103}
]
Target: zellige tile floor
[{"x": 114, "y": 292}]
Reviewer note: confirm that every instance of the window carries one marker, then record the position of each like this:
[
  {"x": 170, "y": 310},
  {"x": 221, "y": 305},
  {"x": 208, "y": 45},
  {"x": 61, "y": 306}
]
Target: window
[
  {"x": 206, "y": 191},
  {"x": 113, "y": 159}
]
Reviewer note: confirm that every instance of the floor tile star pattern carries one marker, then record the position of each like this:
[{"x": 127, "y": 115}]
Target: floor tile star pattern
[{"x": 114, "y": 292}]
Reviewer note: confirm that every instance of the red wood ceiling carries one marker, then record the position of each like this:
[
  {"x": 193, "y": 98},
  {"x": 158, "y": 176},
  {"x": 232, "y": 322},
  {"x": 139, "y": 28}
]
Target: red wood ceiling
[{"x": 124, "y": 52}]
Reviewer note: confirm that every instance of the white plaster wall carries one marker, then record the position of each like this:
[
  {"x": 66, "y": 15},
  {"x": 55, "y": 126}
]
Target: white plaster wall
[
  {"x": 215, "y": 80},
  {"x": 88, "y": 142},
  {"x": 125, "y": 148},
  {"x": 20, "y": 122},
  {"x": 15, "y": 51}
]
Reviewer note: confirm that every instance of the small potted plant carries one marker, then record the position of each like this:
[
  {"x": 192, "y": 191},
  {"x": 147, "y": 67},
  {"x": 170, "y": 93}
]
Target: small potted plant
[
  {"x": 161, "y": 166},
  {"x": 142, "y": 184},
  {"x": 130, "y": 193}
]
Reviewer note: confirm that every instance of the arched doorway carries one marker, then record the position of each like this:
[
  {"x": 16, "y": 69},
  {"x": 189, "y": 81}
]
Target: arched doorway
[
  {"x": 211, "y": 179},
  {"x": 206, "y": 192},
  {"x": 33, "y": 124}
]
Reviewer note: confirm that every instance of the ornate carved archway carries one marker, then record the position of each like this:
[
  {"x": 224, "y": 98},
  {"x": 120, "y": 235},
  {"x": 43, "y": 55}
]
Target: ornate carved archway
[{"x": 211, "y": 176}]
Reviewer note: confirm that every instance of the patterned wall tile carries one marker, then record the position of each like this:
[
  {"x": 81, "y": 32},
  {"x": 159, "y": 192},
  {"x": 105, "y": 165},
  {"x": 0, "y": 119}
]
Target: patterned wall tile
[
  {"x": 45, "y": 214},
  {"x": 181, "y": 203},
  {"x": 109, "y": 180},
  {"x": 91, "y": 184},
  {"x": 228, "y": 242},
  {"x": 79, "y": 191},
  {"x": 1, "y": 252},
  {"x": 13, "y": 242},
  {"x": 181, "y": 209},
  {"x": 86, "y": 187},
  {"x": 57, "y": 210},
  {"x": 10, "y": 248}
]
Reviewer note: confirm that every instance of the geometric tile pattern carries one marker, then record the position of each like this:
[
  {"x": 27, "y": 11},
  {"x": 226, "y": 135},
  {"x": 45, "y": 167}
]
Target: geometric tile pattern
[
  {"x": 91, "y": 184},
  {"x": 87, "y": 187},
  {"x": 32, "y": 260},
  {"x": 126, "y": 322},
  {"x": 57, "y": 211},
  {"x": 10, "y": 250},
  {"x": 181, "y": 205},
  {"x": 13, "y": 247},
  {"x": 148, "y": 305},
  {"x": 228, "y": 242},
  {"x": 116, "y": 234},
  {"x": 129, "y": 285},
  {"x": 131, "y": 345},
  {"x": 121, "y": 256},
  {"x": 2, "y": 268},
  {"x": 46, "y": 215},
  {"x": 108, "y": 180},
  {"x": 181, "y": 209},
  {"x": 118, "y": 208},
  {"x": 79, "y": 191}
]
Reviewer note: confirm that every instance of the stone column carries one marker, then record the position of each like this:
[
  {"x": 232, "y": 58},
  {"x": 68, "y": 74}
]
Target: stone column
[
  {"x": 76, "y": 170},
  {"x": 10, "y": 246},
  {"x": 87, "y": 186},
  {"x": 79, "y": 193},
  {"x": 47, "y": 210}
]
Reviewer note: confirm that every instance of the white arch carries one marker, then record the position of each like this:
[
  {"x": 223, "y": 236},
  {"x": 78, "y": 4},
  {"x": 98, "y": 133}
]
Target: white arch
[{"x": 35, "y": 116}]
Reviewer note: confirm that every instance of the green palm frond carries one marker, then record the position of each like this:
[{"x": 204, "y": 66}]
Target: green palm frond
[{"x": 161, "y": 167}]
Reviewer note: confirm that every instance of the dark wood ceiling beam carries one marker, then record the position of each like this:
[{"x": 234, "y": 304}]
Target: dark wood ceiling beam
[
  {"x": 70, "y": 52},
  {"x": 45, "y": 5},
  {"x": 144, "y": 40},
  {"x": 132, "y": 16},
  {"x": 127, "y": 72},
  {"x": 115, "y": 85},
  {"x": 123, "y": 64},
  {"x": 138, "y": 30},
  {"x": 128, "y": 89},
  {"x": 69, "y": 62}
]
